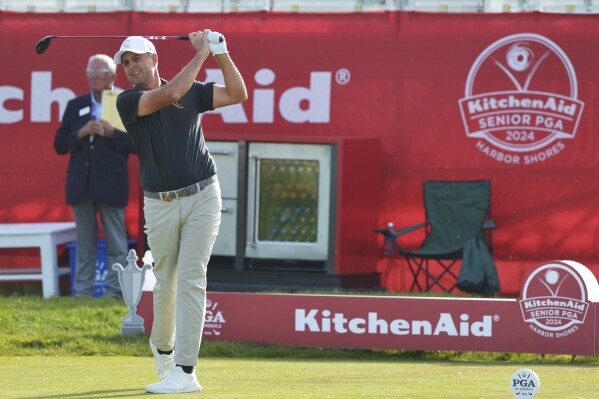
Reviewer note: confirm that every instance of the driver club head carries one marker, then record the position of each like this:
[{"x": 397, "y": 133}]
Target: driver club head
[{"x": 43, "y": 44}]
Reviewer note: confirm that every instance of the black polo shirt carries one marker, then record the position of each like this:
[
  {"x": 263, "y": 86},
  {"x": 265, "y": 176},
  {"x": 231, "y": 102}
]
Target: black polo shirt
[{"x": 170, "y": 143}]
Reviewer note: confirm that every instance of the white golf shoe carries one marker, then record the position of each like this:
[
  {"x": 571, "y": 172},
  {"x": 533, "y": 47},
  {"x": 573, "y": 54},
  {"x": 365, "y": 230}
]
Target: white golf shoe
[
  {"x": 177, "y": 381},
  {"x": 164, "y": 363}
]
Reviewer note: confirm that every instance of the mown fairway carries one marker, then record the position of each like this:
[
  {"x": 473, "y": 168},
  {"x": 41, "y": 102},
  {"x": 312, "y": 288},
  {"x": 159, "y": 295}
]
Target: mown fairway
[{"x": 79, "y": 377}]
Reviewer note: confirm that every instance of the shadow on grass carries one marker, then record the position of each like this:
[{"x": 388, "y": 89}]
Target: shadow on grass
[{"x": 109, "y": 394}]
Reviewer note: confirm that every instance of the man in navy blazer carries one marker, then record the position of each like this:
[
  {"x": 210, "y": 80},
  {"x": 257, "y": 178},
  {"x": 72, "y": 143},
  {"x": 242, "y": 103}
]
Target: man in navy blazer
[{"x": 97, "y": 177}]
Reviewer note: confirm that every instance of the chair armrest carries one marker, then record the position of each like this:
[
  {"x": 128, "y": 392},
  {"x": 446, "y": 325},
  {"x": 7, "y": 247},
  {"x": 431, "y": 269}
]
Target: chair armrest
[
  {"x": 489, "y": 224},
  {"x": 386, "y": 231},
  {"x": 396, "y": 233},
  {"x": 407, "y": 230}
]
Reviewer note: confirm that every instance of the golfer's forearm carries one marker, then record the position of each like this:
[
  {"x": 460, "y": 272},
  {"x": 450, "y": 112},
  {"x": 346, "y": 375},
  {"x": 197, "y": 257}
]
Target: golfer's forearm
[
  {"x": 181, "y": 83},
  {"x": 235, "y": 89},
  {"x": 163, "y": 96}
]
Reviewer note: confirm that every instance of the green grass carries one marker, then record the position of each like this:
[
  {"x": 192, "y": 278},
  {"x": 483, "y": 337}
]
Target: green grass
[
  {"x": 72, "y": 348},
  {"x": 125, "y": 377}
]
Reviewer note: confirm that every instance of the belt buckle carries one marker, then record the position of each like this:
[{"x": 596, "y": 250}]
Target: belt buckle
[{"x": 167, "y": 197}]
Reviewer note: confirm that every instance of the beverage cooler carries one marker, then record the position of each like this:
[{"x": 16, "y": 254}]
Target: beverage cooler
[
  {"x": 289, "y": 201},
  {"x": 297, "y": 206}
]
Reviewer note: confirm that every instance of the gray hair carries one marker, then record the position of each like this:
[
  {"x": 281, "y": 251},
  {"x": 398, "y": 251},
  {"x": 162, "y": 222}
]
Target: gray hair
[{"x": 104, "y": 58}]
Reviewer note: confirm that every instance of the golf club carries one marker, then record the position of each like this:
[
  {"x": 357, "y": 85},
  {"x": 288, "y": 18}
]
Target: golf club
[{"x": 42, "y": 45}]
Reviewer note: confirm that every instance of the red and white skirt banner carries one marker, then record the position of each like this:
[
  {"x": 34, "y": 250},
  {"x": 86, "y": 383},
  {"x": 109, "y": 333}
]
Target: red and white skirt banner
[{"x": 556, "y": 313}]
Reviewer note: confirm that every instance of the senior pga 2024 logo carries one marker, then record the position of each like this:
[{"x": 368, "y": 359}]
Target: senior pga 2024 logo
[
  {"x": 556, "y": 296},
  {"x": 521, "y": 100}
]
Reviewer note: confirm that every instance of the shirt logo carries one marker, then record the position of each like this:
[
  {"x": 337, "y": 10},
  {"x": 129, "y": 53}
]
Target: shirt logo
[{"x": 521, "y": 100}]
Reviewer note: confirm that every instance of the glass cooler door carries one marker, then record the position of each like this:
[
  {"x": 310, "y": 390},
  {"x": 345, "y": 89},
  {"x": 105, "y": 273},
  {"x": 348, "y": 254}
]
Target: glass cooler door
[{"x": 288, "y": 201}]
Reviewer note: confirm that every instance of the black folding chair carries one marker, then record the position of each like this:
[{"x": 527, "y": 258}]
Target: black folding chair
[{"x": 457, "y": 219}]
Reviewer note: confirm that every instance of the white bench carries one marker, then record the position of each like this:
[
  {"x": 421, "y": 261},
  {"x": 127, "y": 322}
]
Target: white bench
[{"x": 46, "y": 237}]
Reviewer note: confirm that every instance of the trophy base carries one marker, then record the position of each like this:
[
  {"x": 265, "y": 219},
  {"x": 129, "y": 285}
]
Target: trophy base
[{"x": 135, "y": 326}]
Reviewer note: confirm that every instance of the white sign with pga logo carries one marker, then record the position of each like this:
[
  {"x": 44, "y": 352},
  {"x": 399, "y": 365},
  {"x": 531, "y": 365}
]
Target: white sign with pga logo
[{"x": 525, "y": 383}]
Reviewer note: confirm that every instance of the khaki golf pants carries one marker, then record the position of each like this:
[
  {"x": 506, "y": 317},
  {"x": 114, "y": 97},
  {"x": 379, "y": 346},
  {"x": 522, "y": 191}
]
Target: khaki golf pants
[{"x": 181, "y": 234}]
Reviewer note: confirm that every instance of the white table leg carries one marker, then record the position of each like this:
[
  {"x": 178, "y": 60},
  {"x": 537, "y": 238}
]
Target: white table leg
[{"x": 49, "y": 259}]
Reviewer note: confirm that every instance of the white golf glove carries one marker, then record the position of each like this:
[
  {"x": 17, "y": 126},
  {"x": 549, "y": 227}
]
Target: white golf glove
[{"x": 217, "y": 43}]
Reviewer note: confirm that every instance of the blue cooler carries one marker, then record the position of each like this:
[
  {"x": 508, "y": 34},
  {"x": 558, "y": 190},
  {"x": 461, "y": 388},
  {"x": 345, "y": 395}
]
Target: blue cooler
[{"x": 101, "y": 266}]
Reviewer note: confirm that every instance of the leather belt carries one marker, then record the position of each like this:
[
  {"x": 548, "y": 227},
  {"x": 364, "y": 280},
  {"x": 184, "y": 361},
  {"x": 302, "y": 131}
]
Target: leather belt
[{"x": 168, "y": 196}]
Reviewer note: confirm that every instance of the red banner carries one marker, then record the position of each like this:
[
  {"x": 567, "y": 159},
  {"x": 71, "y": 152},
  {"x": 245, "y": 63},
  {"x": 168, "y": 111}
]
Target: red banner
[
  {"x": 557, "y": 313},
  {"x": 505, "y": 97}
]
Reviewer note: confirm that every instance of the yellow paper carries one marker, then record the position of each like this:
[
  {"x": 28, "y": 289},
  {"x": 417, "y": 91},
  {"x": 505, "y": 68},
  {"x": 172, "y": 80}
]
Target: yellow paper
[{"x": 109, "y": 111}]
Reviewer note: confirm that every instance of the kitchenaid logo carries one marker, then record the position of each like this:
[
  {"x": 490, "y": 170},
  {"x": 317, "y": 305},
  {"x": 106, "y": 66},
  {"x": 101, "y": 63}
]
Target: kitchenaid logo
[
  {"x": 214, "y": 320},
  {"x": 521, "y": 100},
  {"x": 324, "y": 321},
  {"x": 554, "y": 301},
  {"x": 310, "y": 103}
]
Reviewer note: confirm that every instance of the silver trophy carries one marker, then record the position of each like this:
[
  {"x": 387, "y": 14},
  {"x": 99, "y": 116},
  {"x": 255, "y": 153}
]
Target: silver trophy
[{"x": 132, "y": 279}]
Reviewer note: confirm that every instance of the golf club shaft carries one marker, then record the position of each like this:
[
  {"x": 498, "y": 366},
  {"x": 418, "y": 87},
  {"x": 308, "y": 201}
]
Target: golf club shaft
[
  {"x": 213, "y": 37},
  {"x": 121, "y": 37},
  {"x": 42, "y": 45}
]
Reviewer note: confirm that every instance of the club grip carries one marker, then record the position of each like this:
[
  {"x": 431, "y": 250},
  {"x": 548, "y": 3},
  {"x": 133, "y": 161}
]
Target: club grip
[{"x": 213, "y": 38}]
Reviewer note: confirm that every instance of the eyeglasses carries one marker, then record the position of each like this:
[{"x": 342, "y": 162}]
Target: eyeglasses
[{"x": 96, "y": 73}]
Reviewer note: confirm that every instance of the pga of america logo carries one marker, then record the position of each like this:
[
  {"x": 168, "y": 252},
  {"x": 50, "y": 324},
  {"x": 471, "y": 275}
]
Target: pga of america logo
[
  {"x": 521, "y": 100},
  {"x": 554, "y": 300},
  {"x": 525, "y": 383},
  {"x": 214, "y": 320}
]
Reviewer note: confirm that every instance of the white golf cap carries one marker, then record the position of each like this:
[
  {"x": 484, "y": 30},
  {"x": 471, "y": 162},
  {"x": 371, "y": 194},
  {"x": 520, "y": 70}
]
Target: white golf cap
[{"x": 135, "y": 44}]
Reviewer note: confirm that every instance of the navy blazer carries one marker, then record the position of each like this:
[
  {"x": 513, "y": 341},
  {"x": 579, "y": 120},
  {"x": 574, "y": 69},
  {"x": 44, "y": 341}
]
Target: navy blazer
[{"x": 99, "y": 167}]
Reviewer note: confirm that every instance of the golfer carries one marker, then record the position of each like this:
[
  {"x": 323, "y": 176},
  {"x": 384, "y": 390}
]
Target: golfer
[{"x": 182, "y": 203}]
